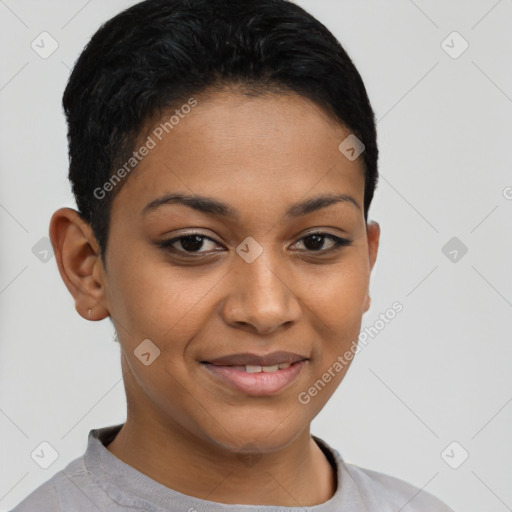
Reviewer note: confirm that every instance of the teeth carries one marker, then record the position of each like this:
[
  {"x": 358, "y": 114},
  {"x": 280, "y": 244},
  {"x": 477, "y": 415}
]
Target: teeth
[
  {"x": 267, "y": 369},
  {"x": 252, "y": 369}
]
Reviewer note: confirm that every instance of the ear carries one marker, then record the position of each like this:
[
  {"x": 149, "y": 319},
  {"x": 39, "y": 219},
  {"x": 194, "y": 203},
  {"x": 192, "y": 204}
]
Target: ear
[
  {"x": 79, "y": 260},
  {"x": 373, "y": 236}
]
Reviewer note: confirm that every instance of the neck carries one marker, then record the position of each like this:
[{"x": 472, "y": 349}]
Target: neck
[{"x": 297, "y": 476}]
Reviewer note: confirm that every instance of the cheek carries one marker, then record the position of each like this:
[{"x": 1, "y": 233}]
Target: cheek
[
  {"x": 342, "y": 296},
  {"x": 153, "y": 298},
  {"x": 340, "y": 309}
]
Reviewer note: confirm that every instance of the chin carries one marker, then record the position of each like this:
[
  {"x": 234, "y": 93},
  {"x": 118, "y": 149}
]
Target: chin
[{"x": 264, "y": 434}]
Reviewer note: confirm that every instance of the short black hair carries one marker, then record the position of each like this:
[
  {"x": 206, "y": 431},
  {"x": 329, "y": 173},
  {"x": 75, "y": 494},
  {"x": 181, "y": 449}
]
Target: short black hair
[{"x": 157, "y": 54}]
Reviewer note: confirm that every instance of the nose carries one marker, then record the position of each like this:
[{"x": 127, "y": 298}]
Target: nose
[{"x": 261, "y": 295}]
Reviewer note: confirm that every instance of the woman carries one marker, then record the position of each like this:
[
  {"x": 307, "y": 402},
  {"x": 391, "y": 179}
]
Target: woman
[{"x": 223, "y": 157}]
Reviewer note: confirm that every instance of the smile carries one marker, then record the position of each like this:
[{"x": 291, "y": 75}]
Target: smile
[
  {"x": 267, "y": 369},
  {"x": 256, "y": 380}
]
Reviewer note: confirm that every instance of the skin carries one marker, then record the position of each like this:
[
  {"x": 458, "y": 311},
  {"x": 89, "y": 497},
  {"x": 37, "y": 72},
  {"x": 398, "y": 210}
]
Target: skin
[{"x": 259, "y": 155}]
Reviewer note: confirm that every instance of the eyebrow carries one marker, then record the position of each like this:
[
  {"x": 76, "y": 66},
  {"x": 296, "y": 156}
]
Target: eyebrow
[{"x": 214, "y": 207}]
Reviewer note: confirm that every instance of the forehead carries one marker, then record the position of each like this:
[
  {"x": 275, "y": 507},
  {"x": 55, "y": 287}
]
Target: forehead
[{"x": 246, "y": 150}]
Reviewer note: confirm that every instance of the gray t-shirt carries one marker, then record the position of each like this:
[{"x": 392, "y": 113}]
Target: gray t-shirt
[{"x": 100, "y": 482}]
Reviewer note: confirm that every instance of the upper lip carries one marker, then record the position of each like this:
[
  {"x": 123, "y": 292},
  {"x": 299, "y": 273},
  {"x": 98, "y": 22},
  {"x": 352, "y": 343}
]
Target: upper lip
[{"x": 257, "y": 360}]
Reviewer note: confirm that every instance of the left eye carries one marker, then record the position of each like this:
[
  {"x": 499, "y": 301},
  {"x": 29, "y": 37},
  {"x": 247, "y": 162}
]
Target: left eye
[{"x": 314, "y": 242}]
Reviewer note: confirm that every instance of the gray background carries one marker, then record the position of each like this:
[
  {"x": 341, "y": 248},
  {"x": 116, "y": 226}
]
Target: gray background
[{"x": 438, "y": 373}]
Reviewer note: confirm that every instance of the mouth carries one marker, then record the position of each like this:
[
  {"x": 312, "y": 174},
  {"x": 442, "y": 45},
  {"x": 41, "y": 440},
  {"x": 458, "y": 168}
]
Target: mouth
[
  {"x": 257, "y": 375},
  {"x": 254, "y": 368}
]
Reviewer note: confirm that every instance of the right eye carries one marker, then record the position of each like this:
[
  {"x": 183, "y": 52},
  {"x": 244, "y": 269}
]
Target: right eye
[{"x": 188, "y": 244}]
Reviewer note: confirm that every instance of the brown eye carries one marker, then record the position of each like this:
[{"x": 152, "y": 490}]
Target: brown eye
[
  {"x": 314, "y": 242},
  {"x": 187, "y": 244}
]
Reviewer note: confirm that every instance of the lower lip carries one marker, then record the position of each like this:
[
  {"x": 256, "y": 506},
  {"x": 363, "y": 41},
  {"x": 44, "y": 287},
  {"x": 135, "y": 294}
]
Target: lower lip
[{"x": 258, "y": 383}]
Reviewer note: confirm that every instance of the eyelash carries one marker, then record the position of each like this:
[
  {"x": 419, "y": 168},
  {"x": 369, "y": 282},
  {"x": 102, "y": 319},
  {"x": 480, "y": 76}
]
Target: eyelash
[{"x": 338, "y": 243}]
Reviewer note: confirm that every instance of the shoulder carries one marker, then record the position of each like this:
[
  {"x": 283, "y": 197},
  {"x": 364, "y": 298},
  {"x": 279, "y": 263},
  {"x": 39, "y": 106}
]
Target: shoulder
[
  {"x": 395, "y": 493},
  {"x": 69, "y": 490},
  {"x": 43, "y": 499},
  {"x": 377, "y": 492}
]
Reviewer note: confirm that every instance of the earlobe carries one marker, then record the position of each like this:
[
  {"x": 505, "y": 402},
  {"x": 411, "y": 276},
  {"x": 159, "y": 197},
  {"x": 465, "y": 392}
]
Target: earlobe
[{"x": 78, "y": 256}]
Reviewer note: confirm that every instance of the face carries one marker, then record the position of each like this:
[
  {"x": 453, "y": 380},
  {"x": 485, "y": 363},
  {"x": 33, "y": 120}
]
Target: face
[{"x": 257, "y": 283}]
